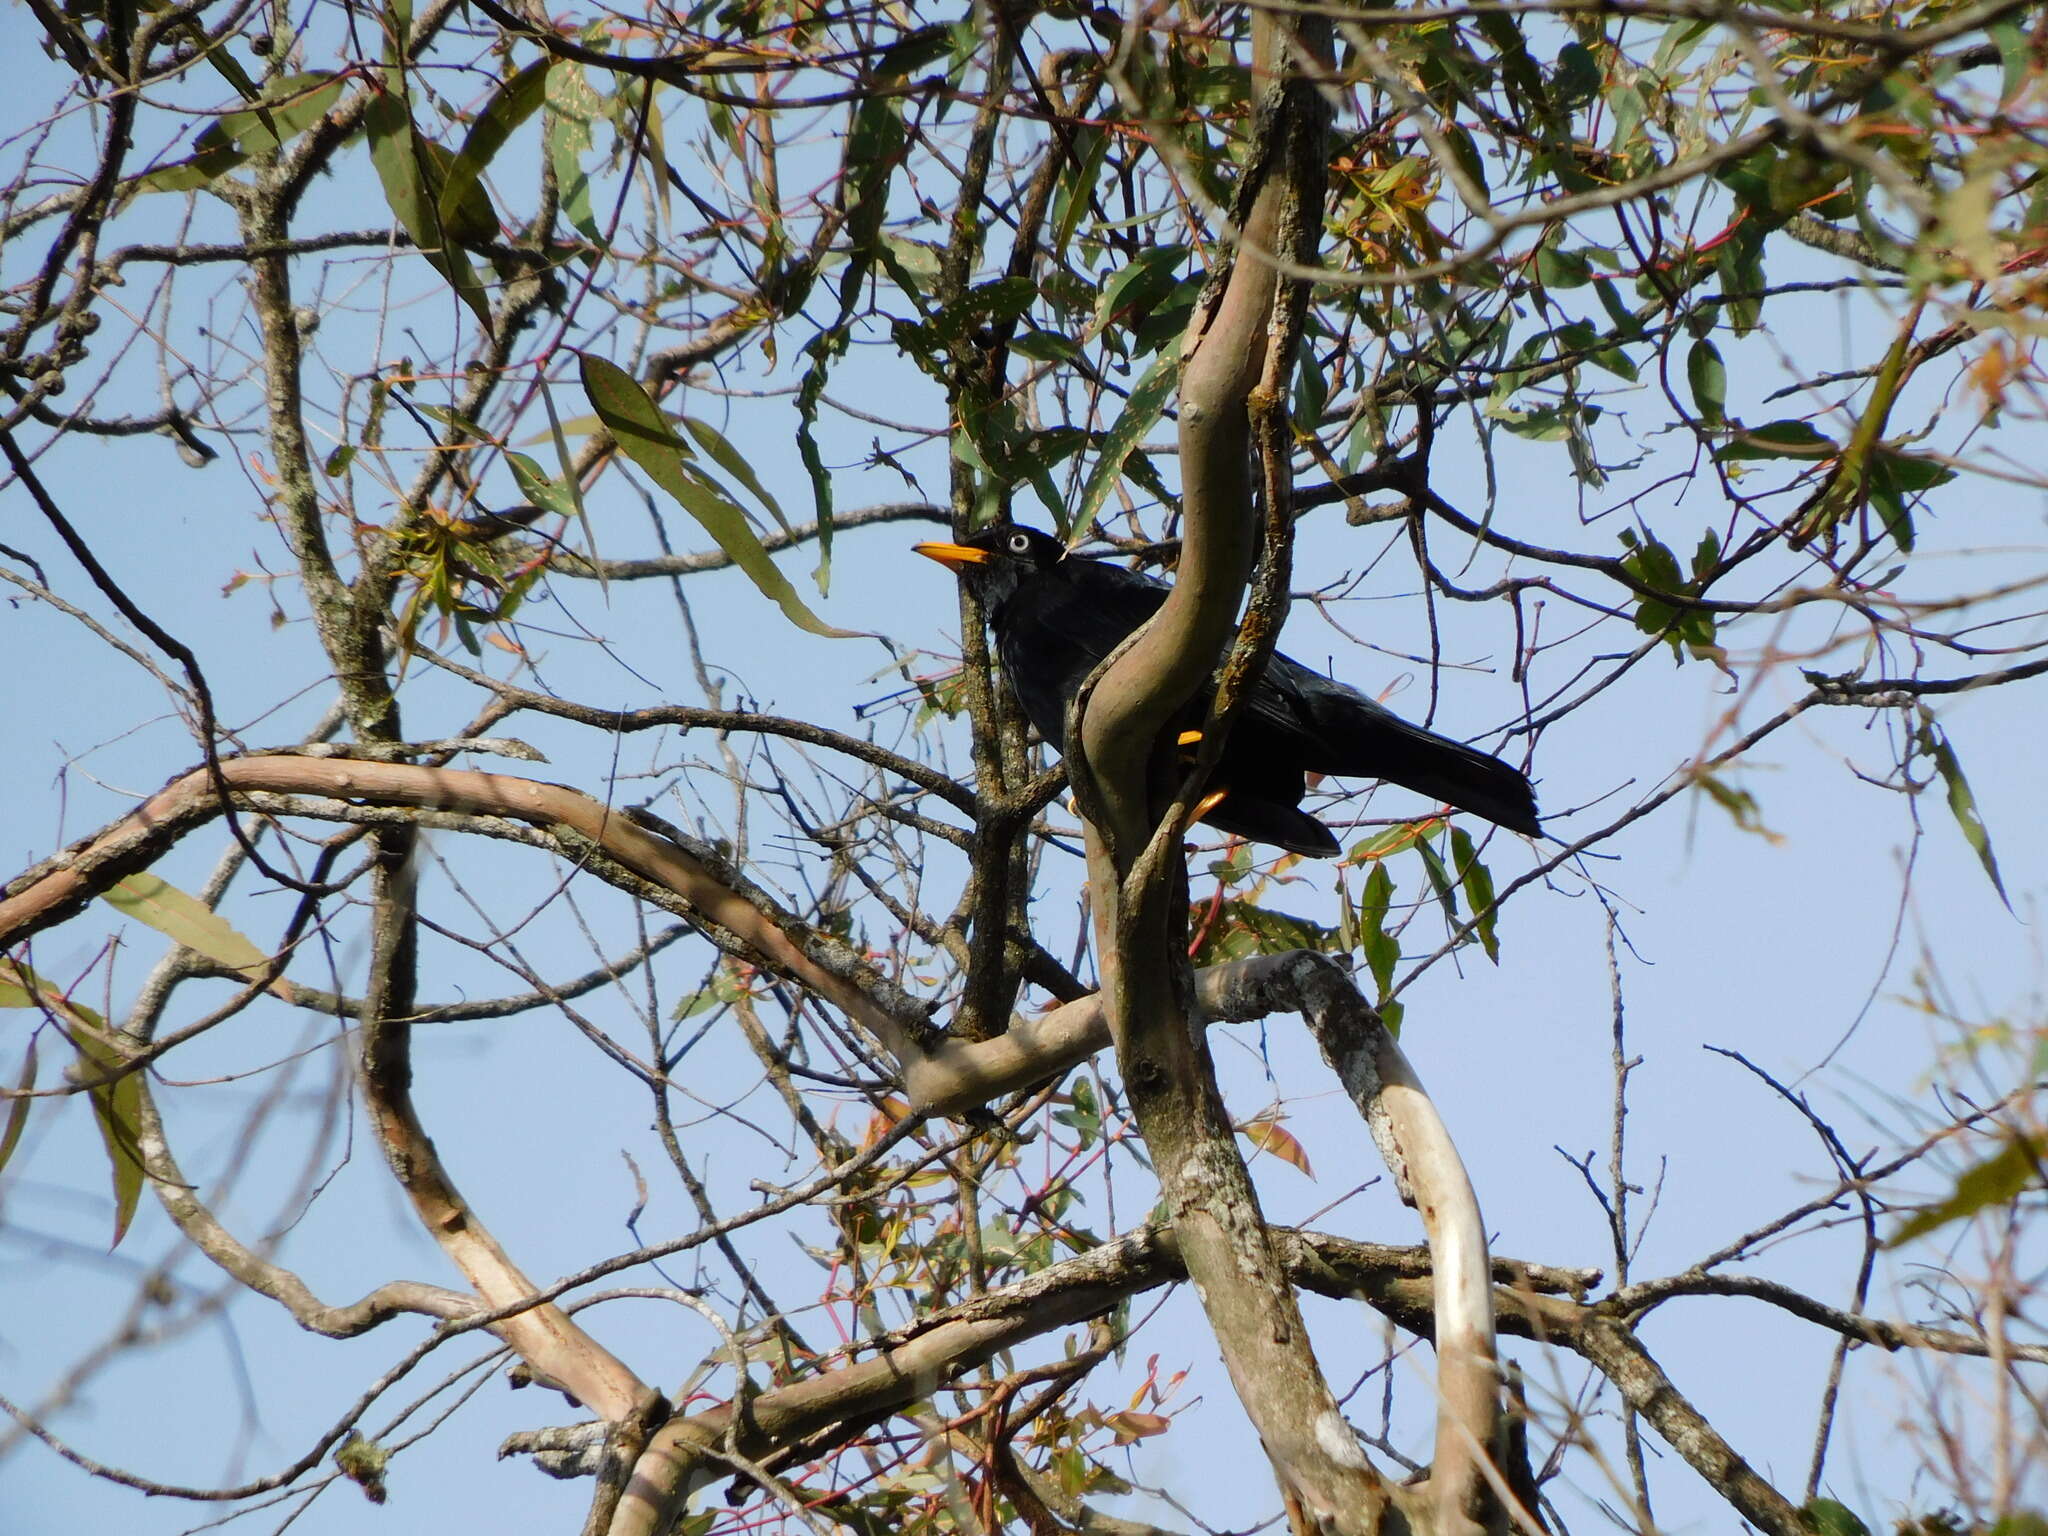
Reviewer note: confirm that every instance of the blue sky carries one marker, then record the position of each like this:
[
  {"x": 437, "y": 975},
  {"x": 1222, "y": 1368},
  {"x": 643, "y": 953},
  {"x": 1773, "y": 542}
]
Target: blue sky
[{"x": 1806, "y": 949}]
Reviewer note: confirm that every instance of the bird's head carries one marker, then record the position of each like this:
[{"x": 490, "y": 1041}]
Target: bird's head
[{"x": 997, "y": 558}]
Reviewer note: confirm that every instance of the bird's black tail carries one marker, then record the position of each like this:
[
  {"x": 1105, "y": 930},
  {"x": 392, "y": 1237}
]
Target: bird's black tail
[
  {"x": 1376, "y": 743},
  {"x": 1269, "y": 821}
]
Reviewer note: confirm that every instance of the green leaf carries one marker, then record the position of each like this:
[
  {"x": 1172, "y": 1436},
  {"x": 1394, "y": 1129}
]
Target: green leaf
[
  {"x": 1740, "y": 804},
  {"x": 410, "y": 178},
  {"x": 1739, "y": 263},
  {"x": 115, "y": 1105},
  {"x": 1516, "y": 66},
  {"x": 1824, "y": 1517},
  {"x": 226, "y": 65},
  {"x": 1141, "y": 411},
  {"x": 1705, "y": 556},
  {"x": 1241, "y": 928},
  {"x": 724, "y": 990},
  {"x": 1962, "y": 804},
  {"x": 1479, "y": 894},
  {"x": 1911, "y": 472},
  {"x": 1084, "y": 1116},
  {"x": 574, "y": 183},
  {"x": 646, "y": 437},
  {"x": 1680, "y": 38},
  {"x": 510, "y": 105},
  {"x": 1466, "y": 153},
  {"x": 874, "y": 149},
  {"x": 914, "y": 263},
  {"x": 1382, "y": 949},
  {"x": 1749, "y": 178},
  {"x": 1076, "y": 192},
  {"x": 573, "y": 105},
  {"x": 19, "y": 986},
  {"x": 1439, "y": 879},
  {"x": 1708, "y": 376},
  {"x": 1583, "y": 338},
  {"x": 565, "y": 462},
  {"x": 186, "y": 920},
  {"x": 1998, "y": 1179},
  {"x": 1651, "y": 562},
  {"x": 914, "y": 51},
  {"x": 1367, "y": 850},
  {"x": 1139, "y": 288},
  {"x": 1557, "y": 268},
  {"x": 17, "y": 1112},
  {"x": 294, "y": 104},
  {"x": 1779, "y": 440},
  {"x": 727, "y": 458},
  {"x": 1544, "y": 424},
  {"x": 536, "y": 486},
  {"x": 1045, "y": 346},
  {"x": 2016, "y": 57},
  {"x": 1578, "y": 78}
]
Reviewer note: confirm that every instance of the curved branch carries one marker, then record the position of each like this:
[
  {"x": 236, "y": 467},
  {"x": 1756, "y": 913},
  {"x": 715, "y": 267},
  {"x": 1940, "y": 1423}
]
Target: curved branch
[
  {"x": 718, "y": 897},
  {"x": 1635, "y": 1300},
  {"x": 686, "y": 717},
  {"x": 686, "y": 1454},
  {"x": 181, "y": 1202},
  {"x": 1137, "y": 880}
]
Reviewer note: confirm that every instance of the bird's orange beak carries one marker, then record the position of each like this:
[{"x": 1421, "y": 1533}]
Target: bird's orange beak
[{"x": 954, "y": 557}]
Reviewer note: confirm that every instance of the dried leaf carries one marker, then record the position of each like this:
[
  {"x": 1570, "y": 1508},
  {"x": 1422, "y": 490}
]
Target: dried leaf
[
  {"x": 1267, "y": 1134},
  {"x": 1127, "y": 1424}
]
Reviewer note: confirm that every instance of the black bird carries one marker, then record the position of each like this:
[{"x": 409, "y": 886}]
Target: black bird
[{"x": 1056, "y": 616}]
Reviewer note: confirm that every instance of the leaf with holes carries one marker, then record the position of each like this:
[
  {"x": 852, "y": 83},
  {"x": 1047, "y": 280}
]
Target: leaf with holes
[{"x": 537, "y": 487}]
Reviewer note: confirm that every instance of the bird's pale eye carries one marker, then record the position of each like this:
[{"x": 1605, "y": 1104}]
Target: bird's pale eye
[{"x": 1019, "y": 545}]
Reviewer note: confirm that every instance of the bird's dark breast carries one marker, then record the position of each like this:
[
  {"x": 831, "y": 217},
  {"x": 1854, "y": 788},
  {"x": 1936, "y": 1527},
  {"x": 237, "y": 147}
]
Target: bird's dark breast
[{"x": 1058, "y": 626}]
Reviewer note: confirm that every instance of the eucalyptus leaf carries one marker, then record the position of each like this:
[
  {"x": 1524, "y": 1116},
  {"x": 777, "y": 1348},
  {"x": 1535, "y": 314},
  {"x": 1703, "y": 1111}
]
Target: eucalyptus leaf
[{"x": 646, "y": 437}]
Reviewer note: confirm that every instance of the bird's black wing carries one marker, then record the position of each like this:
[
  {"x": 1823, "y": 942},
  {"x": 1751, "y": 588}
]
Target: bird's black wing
[
  {"x": 1059, "y": 625},
  {"x": 1336, "y": 729}
]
